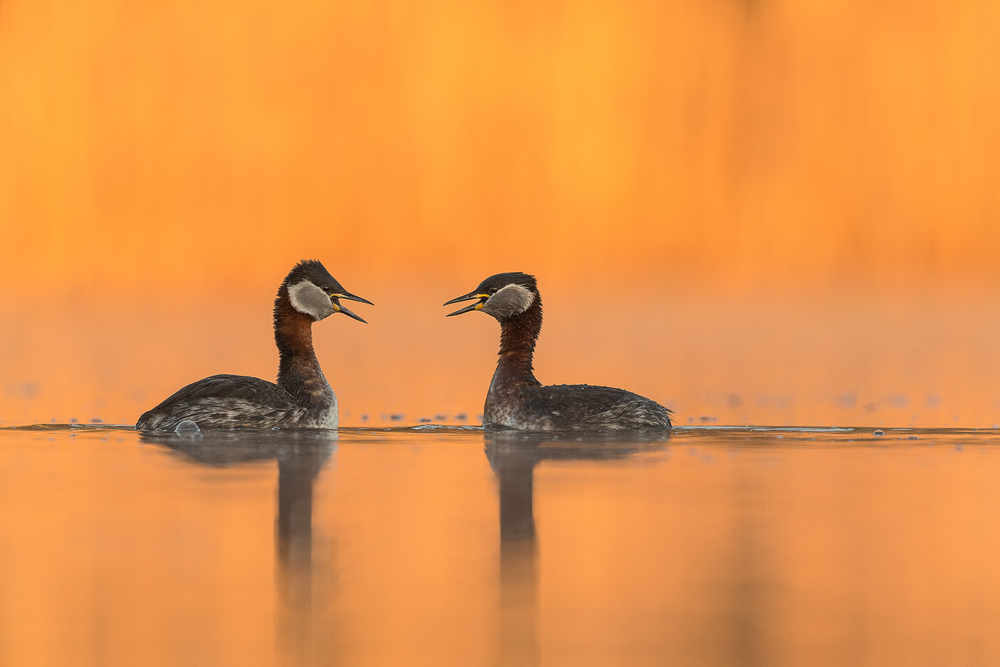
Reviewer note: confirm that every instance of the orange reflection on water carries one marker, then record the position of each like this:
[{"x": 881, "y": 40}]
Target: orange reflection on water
[{"x": 368, "y": 548}]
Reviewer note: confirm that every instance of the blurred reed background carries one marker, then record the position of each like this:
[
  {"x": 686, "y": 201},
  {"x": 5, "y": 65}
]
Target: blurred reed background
[{"x": 754, "y": 211}]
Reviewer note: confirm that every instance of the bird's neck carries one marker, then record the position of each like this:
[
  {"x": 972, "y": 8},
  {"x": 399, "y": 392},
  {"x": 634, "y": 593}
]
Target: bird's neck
[
  {"x": 298, "y": 368},
  {"x": 518, "y": 335}
]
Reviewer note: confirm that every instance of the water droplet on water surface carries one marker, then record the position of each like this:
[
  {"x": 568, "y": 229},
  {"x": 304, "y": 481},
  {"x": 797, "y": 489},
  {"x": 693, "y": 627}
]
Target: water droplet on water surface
[
  {"x": 187, "y": 427},
  {"x": 878, "y": 432}
]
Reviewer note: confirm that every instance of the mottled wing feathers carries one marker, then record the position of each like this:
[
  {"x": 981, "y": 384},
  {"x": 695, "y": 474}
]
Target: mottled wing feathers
[
  {"x": 222, "y": 401},
  {"x": 581, "y": 406},
  {"x": 233, "y": 386}
]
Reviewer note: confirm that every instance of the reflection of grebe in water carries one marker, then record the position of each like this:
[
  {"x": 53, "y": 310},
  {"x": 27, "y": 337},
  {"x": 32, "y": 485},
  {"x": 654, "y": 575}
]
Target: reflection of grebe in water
[
  {"x": 301, "y": 456},
  {"x": 302, "y": 398},
  {"x": 513, "y": 456},
  {"x": 517, "y": 400}
]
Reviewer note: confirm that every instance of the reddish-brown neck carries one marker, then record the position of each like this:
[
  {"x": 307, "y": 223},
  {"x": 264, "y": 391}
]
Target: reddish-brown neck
[
  {"x": 518, "y": 335},
  {"x": 293, "y": 336}
]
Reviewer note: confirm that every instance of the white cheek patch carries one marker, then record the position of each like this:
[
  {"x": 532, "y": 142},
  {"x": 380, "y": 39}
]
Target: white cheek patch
[
  {"x": 310, "y": 300},
  {"x": 511, "y": 300}
]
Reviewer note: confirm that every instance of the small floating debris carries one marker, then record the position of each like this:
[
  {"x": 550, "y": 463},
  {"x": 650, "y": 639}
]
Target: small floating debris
[
  {"x": 396, "y": 417},
  {"x": 878, "y": 432},
  {"x": 364, "y": 418}
]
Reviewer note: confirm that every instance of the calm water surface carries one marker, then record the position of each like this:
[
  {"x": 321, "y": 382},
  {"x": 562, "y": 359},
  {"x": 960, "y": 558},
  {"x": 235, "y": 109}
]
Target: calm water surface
[{"x": 455, "y": 546}]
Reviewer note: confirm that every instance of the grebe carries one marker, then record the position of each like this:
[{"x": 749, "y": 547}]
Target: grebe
[
  {"x": 517, "y": 400},
  {"x": 302, "y": 398}
]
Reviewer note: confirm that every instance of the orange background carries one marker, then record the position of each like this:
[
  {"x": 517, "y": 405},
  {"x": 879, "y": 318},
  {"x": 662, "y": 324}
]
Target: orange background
[
  {"x": 752, "y": 211},
  {"x": 177, "y": 158}
]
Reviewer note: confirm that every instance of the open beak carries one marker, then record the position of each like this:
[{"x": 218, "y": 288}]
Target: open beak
[
  {"x": 348, "y": 297},
  {"x": 465, "y": 297}
]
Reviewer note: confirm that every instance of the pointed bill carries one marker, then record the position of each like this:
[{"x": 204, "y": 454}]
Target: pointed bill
[
  {"x": 468, "y": 309},
  {"x": 345, "y": 311},
  {"x": 347, "y": 296},
  {"x": 466, "y": 297}
]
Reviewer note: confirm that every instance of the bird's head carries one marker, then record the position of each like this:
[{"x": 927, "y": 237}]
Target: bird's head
[
  {"x": 503, "y": 296},
  {"x": 313, "y": 291}
]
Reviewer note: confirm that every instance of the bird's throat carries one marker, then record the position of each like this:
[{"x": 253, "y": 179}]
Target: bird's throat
[
  {"x": 518, "y": 335},
  {"x": 299, "y": 372}
]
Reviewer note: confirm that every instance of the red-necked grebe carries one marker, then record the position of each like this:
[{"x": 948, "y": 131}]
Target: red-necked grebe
[
  {"x": 517, "y": 400},
  {"x": 302, "y": 398}
]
